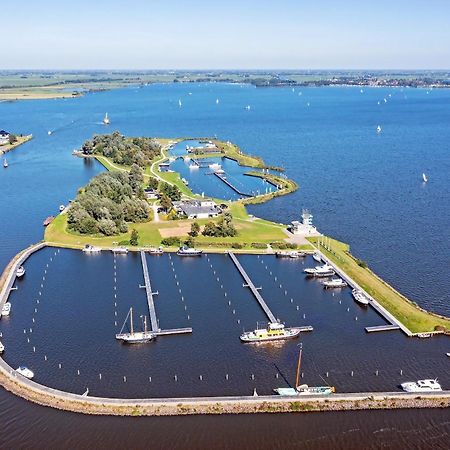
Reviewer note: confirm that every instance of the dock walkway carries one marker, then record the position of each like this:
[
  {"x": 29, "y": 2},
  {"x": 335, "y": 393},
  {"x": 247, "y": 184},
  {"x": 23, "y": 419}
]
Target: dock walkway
[
  {"x": 252, "y": 287},
  {"x": 375, "y": 305},
  {"x": 150, "y": 293},
  {"x": 235, "y": 189}
]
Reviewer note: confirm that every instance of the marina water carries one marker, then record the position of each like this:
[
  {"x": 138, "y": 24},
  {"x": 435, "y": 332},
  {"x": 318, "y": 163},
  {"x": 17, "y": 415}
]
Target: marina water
[{"x": 363, "y": 187}]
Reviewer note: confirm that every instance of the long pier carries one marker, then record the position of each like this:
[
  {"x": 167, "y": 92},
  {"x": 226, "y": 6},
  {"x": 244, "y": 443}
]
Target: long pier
[
  {"x": 235, "y": 189},
  {"x": 382, "y": 328},
  {"x": 383, "y": 312},
  {"x": 252, "y": 287},
  {"x": 151, "y": 305}
]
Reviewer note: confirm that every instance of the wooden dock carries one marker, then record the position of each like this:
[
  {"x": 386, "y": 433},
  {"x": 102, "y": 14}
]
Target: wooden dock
[
  {"x": 235, "y": 189},
  {"x": 382, "y": 328},
  {"x": 249, "y": 283},
  {"x": 151, "y": 305},
  {"x": 150, "y": 294}
]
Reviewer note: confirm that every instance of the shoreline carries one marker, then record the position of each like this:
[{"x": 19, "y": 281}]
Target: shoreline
[{"x": 20, "y": 140}]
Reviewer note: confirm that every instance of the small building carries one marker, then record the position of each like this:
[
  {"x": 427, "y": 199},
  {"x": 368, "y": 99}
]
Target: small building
[
  {"x": 197, "y": 209},
  {"x": 151, "y": 194},
  {"x": 307, "y": 217},
  {"x": 296, "y": 227},
  {"x": 4, "y": 137}
]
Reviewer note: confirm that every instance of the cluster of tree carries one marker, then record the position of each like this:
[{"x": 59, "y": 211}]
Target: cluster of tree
[
  {"x": 172, "y": 191},
  {"x": 108, "y": 202},
  {"x": 223, "y": 228},
  {"x": 122, "y": 150}
]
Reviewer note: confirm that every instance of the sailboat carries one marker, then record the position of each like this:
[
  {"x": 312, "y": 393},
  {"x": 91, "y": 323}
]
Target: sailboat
[
  {"x": 378, "y": 129},
  {"x": 135, "y": 337},
  {"x": 424, "y": 178},
  {"x": 179, "y": 103},
  {"x": 248, "y": 107},
  {"x": 217, "y": 101},
  {"x": 5, "y": 163},
  {"x": 106, "y": 119},
  {"x": 304, "y": 389}
]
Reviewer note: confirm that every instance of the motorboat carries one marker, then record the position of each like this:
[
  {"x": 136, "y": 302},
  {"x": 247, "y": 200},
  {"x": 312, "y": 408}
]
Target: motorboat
[
  {"x": 215, "y": 166},
  {"x": 194, "y": 166},
  {"x": 291, "y": 254},
  {"x": 424, "y": 178},
  {"x": 188, "y": 251},
  {"x": 275, "y": 331},
  {"x": 6, "y": 310},
  {"x": 62, "y": 208},
  {"x": 317, "y": 257},
  {"x": 135, "y": 337},
  {"x": 320, "y": 271},
  {"x": 91, "y": 249},
  {"x": 2, "y": 348},
  {"x": 378, "y": 129},
  {"x": 25, "y": 372},
  {"x": 334, "y": 283},
  {"x": 119, "y": 250},
  {"x": 106, "y": 119},
  {"x": 428, "y": 385},
  {"x": 424, "y": 335},
  {"x": 186, "y": 182},
  {"x": 360, "y": 297},
  {"x": 5, "y": 163},
  {"x": 156, "y": 250},
  {"x": 20, "y": 272},
  {"x": 48, "y": 221},
  {"x": 304, "y": 389}
]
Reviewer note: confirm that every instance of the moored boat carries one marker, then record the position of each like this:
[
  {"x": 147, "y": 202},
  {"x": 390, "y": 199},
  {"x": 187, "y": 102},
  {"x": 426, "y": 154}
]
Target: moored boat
[
  {"x": 106, "y": 119},
  {"x": 291, "y": 254},
  {"x": 62, "y": 208},
  {"x": 334, "y": 283},
  {"x": 320, "y": 271},
  {"x": 304, "y": 389},
  {"x": 274, "y": 332},
  {"x": 156, "y": 250},
  {"x": 25, "y": 372},
  {"x": 135, "y": 337},
  {"x": 20, "y": 272},
  {"x": 317, "y": 257},
  {"x": 427, "y": 385},
  {"x": 48, "y": 221},
  {"x": 360, "y": 297},
  {"x": 188, "y": 251},
  {"x": 6, "y": 310},
  {"x": 91, "y": 249},
  {"x": 424, "y": 335},
  {"x": 119, "y": 250}
]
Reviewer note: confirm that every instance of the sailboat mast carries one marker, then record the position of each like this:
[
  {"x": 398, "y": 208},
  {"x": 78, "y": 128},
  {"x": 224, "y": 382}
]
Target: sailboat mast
[
  {"x": 298, "y": 366},
  {"x": 131, "y": 319}
]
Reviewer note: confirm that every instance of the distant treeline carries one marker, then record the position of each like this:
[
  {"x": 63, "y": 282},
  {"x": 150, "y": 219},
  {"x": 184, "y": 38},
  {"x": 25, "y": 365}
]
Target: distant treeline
[{"x": 122, "y": 150}]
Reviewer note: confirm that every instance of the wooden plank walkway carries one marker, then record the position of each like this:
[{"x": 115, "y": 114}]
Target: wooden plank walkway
[
  {"x": 252, "y": 287},
  {"x": 382, "y": 328},
  {"x": 149, "y": 292}
]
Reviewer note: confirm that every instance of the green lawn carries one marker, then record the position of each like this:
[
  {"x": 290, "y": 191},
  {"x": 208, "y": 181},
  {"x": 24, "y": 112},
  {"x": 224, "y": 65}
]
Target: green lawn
[{"x": 414, "y": 318}]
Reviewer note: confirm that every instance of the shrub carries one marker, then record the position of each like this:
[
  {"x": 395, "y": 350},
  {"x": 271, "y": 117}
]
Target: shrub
[
  {"x": 237, "y": 245},
  {"x": 172, "y": 241},
  {"x": 134, "y": 238},
  {"x": 258, "y": 245}
]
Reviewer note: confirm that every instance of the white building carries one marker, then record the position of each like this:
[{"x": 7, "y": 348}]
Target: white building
[
  {"x": 307, "y": 217},
  {"x": 197, "y": 209},
  {"x": 4, "y": 137}
]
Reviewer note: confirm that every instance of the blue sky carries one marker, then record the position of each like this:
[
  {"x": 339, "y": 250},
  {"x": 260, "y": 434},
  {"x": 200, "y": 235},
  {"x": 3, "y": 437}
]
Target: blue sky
[{"x": 153, "y": 34}]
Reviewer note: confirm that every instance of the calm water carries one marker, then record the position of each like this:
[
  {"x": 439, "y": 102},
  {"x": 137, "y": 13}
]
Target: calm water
[{"x": 362, "y": 187}]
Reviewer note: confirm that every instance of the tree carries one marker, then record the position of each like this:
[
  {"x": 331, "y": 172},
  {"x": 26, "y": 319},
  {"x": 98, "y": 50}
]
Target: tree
[
  {"x": 153, "y": 183},
  {"x": 189, "y": 242},
  {"x": 134, "y": 238},
  {"x": 195, "y": 229},
  {"x": 12, "y": 139},
  {"x": 166, "y": 203},
  {"x": 136, "y": 178}
]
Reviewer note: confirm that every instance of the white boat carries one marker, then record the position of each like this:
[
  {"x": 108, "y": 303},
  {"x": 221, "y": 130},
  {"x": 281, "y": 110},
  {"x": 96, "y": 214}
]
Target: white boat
[
  {"x": 156, "y": 250},
  {"x": 334, "y": 283},
  {"x": 294, "y": 254},
  {"x": 186, "y": 182},
  {"x": 424, "y": 335},
  {"x": 135, "y": 337},
  {"x": 2, "y": 348},
  {"x": 317, "y": 257},
  {"x": 49, "y": 132},
  {"x": 179, "y": 103},
  {"x": 20, "y": 272},
  {"x": 424, "y": 178},
  {"x": 448, "y": 354},
  {"x": 106, "y": 119},
  {"x": 304, "y": 389},
  {"x": 188, "y": 251},
  {"x": 428, "y": 385},
  {"x": 193, "y": 166},
  {"x": 5, "y": 163},
  {"x": 274, "y": 332},
  {"x": 25, "y": 372},
  {"x": 248, "y": 107},
  {"x": 91, "y": 249},
  {"x": 61, "y": 208},
  {"x": 320, "y": 271},
  {"x": 360, "y": 297},
  {"x": 215, "y": 166},
  {"x": 378, "y": 129},
  {"x": 217, "y": 101},
  {"x": 6, "y": 310},
  {"x": 119, "y": 250}
]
